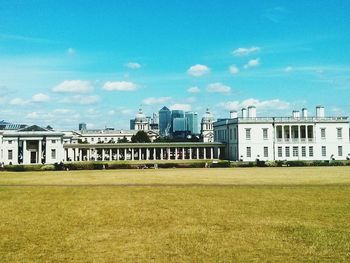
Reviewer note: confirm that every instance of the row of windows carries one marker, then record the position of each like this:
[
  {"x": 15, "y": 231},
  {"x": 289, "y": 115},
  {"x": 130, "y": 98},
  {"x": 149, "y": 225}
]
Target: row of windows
[
  {"x": 294, "y": 151},
  {"x": 339, "y": 133},
  {"x": 265, "y": 151},
  {"x": 10, "y": 154},
  {"x": 248, "y": 134}
]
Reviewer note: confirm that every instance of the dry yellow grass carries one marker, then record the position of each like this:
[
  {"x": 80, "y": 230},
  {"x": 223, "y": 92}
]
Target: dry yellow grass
[{"x": 249, "y": 215}]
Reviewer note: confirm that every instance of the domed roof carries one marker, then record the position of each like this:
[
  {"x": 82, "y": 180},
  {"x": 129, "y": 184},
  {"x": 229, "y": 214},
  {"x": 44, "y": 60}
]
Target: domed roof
[
  {"x": 140, "y": 116},
  {"x": 207, "y": 116}
]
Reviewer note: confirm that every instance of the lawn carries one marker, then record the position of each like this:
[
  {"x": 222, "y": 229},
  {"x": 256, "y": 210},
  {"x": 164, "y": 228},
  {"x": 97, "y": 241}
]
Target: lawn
[{"x": 176, "y": 215}]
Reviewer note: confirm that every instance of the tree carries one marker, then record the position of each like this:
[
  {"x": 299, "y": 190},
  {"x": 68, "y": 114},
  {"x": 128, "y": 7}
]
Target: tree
[
  {"x": 140, "y": 136},
  {"x": 124, "y": 140}
]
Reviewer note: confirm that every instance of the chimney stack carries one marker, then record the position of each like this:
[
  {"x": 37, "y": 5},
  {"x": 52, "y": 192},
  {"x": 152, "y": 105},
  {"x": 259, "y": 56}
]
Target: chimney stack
[
  {"x": 296, "y": 114},
  {"x": 244, "y": 113},
  {"x": 233, "y": 114},
  {"x": 319, "y": 111},
  {"x": 251, "y": 112},
  {"x": 304, "y": 112}
]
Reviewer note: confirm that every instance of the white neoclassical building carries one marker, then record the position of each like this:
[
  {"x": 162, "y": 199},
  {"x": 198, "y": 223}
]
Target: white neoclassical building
[{"x": 299, "y": 137}]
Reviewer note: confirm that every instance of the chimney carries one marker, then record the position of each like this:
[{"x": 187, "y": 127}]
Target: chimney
[
  {"x": 244, "y": 113},
  {"x": 319, "y": 111},
  {"x": 304, "y": 112},
  {"x": 251, "y": 112},
  {"x": 233, "y": 114},
  {"x": 296, "y": 114}
]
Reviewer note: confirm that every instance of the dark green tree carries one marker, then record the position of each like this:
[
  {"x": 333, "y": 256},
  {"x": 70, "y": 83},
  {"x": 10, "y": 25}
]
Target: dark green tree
[{"x": 140, "y": 136}]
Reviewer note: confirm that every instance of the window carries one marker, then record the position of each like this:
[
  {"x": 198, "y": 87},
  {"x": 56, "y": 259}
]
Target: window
[
  {"x": 340, "y": 150},
  {"x": 279, "y": 151},
  {"x": 92, "y": 139},
  {"x": 247, "y": 134},
  {"x": 249, "y": 152},
  {"x": 266, "y": 151},
  {"x": 323, "y": 133},
  {"x": 10, "y": 142},
  {"x": 265, "y": 134},
  {"x": 311, "y": 151},
  {"x": 295, "y": 151},
  {"x": 53, "y": 153},
  {"x": 287, "y": 151},
  {"x": 324, "y": 151},
  {"x": 10, "y": 155},
  {"x": 53, "y": 141},
  {"x": 303, "y": 151},
  {"x": 230, "y": 134},
  {"x": 339, "y": 133}
]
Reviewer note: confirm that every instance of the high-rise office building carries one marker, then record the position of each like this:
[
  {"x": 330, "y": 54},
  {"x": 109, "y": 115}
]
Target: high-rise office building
[
  {"x": 192, "y": 122},
  {"x": 164, "y": 121}
]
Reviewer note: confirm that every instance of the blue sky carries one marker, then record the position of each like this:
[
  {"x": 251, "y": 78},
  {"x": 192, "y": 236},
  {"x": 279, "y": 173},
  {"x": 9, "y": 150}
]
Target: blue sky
[{"x": 65, "y": 62}]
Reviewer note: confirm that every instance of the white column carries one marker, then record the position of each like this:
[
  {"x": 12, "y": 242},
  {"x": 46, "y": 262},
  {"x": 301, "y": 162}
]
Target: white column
[
  {"x": 24, "y": 152},
  {"x": 103, "y": 154},
  {"x": 124, "y": 154},
  {"x": 175, "y": 153},
  {"x": 80, "y": 155},
  {"x": 299, "y": 137},
  {"x": 190, "y": 153},
  {"x": 218, "y": 152},
  {"x": 154, "y": 154},
  {"x": 140, "y": 154},
  {"x": 290, "y": 133},
  {"x": 161, "y": 153},
  {"x": 39, "y": 151},
  {"x": 132, "y": 154},
  {"x": 88, "y": 152},
  {"x": 197, "y": 153},
  {"x": 282, "y": 133},
  {"x": 211, "y": 153},
  {"x": 75, "y": 155},
  {"x": 306, "y": 133},
  {"x": 183, "y": 153},
  {"x": 118, "y": 154},
  {"x": 204, "y": 153},
  {"x": 147, "y": 154},
  {"x": 168, "y": 153},
  {"x": 110, "y": 154}
]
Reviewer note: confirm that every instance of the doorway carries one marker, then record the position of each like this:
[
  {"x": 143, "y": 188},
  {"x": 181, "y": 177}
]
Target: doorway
[{"x": 33, "y": 157}]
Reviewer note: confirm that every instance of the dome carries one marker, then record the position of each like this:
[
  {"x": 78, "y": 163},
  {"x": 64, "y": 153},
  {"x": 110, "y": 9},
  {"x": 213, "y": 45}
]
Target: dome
[
  {"x": 208, "y": 116},
  {"x": 140, "y": 116}
]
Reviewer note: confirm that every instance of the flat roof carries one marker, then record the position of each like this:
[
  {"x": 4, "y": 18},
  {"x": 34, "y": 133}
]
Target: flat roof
[{"x": 144, "y": 145}]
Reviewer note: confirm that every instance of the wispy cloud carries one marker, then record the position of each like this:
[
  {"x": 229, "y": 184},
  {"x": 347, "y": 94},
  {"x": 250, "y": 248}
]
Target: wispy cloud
[
  {"x": 218, "y": 87},
  {"x": 245, "y": 51},
  {"x": 73, "y": 86},
  {"x": 252, "y": 63},
  {"x": 119, "y": 86}
]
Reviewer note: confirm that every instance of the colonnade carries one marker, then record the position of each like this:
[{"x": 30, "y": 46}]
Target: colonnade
[{"x": 85, "y": 153}]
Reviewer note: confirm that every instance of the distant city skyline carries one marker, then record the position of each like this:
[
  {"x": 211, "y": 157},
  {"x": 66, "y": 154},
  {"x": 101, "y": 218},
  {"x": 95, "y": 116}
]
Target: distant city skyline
[{"x": 67, "y": 62}]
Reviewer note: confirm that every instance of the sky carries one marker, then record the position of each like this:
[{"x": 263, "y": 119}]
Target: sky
[{"x": 65, "y": 62}]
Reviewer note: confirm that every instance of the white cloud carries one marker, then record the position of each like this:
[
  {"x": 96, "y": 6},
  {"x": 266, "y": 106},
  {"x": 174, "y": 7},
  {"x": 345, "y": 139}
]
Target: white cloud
[
  {"x": 133, "y": 65},
  {"x": 82, "y": 100},
  {"x": 119, "y": 86},
  {"x": 245, "y": 51},
  {"x": 184, "y": 107},
  {"x": 193, "y": 90},
  {"x": 18, "y": 102},
  {"x": 218, "y": 88},
  {"x": 233, "y": 69},
  {"x": 198, "y": 70},
  {"x": 288, "y": 69},
  {"x": 152, "y": 100},
  {"x": 252, "y": 63},
  {"x": 274, "y": 104},
  {"x": 40, "y": 97},
  {"x": 73, "y": 86},
  {"x": 71, "y": 51}
]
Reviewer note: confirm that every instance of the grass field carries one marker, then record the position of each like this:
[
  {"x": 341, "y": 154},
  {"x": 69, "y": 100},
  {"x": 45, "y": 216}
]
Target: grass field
[{"x": 176, "y": 215}]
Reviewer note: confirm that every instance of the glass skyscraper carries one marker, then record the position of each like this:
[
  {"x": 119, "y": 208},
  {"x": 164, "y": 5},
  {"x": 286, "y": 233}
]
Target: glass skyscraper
[
  {"x": 165, "y": 121},
  {"x": 192, "y": 122}
]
